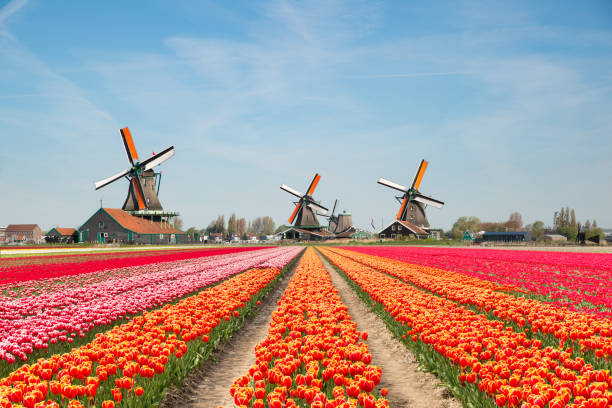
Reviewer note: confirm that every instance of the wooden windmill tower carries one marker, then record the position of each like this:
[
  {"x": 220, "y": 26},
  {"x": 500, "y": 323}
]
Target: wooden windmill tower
[
  {"x": 332, "y": 218},
  {"x": 413, "y": 203},
  {"x": 304, "y": 215},
  {"x": 142, "y": 199},
  {"x": 339, "y": 223}
]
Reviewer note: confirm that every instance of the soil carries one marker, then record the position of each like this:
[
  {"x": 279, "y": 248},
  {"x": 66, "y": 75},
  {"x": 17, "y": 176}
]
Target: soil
[
  {"x": 408, "y": 386},
  {"x": 208, "y": 386}
]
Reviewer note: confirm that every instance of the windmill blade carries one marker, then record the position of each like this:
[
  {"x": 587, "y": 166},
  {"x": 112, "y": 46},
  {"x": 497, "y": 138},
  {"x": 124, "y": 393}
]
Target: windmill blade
[
  {"x": 319, "y": 206},
  {"x": 316, "y": 210},
  {"x": 298, "y": 206},
  {"x": 291, "y": 191},
  {"x": 401, "y": 210},
  {"x": 334, "y": 209},
  {"x": 313, "y": 184},
  {"x": 106, "y": 181},
  {"x": 428, "y": 200},
  {"x": 419, "y": 176},
  {"x": 139, "y": 192},
  {"x": 391, "y": 184},
  {"x": 158, "y": 158},
  {"x": 130, "y": 149}
]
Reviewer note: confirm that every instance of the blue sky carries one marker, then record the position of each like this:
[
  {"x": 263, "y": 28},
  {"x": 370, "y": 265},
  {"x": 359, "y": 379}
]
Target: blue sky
[{"x": 511, "y": 103}]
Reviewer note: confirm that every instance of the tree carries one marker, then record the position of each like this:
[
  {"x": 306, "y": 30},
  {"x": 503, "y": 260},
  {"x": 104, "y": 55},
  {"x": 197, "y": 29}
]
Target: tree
[
  {"x": 257, "y": 226},
  {"x": 465, "y": 224},
  {"x": 594, "y": 232},
  {"x": 594, "y": 225},
  {"x": 178, "y": 223},
  {"x": 232, "y": 225},
  {"x": 217, "y": 225},
  {"x": 268, "y": 225},
  {"x": 587, "y": 225},
  {"x": 536, "y": 229},
  {"x": 241, "y": 226},
  {"x": 191, "y": 231},
  {"x": 573, "y": 219},
  {"x": 515, "y": 222},
  {"x": 491, "y": 226}
]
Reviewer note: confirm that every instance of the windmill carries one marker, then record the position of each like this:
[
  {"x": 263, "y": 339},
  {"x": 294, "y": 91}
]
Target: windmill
[
  {"x": 305, "y": 212},
  {"x": 142, "y": 194},
  {"x": 332, "y": 218},
  {"x": 413, "y": 203}
]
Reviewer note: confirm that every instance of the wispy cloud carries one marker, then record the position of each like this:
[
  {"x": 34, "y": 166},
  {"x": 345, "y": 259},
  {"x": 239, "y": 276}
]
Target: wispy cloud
[
  {"x": 319, "y": 86},
  {"x": 11, "y": 8},
  {"x": 413, "y": 75},
  {"x": 6, "y": 12}
]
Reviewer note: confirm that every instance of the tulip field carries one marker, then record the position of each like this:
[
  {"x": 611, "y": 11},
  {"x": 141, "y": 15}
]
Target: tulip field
[
  {"x": 497, "y": 328},
  {"x": 103, "y": 336},
  {"x": 492, "y": 343}
]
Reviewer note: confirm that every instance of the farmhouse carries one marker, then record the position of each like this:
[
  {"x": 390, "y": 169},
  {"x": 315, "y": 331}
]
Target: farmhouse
[
  {"x": 115, "y": 225},
  {"x": 65, "y": 235},
  {"x": 399, "y": 228},
  {"x": 27, "y": 233},
  {"x": 2, "y": 235}
]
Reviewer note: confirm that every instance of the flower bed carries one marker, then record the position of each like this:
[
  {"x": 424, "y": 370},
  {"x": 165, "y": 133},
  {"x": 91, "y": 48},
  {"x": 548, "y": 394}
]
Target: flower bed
[
  {"x": 135, "y": 362},
  {"x": 580, "y": 281},
  {"x": 313, "y": 355},
  {"x": 582, "y": 330},
  {"x": 483, "y": 361},
  {"x": 49, "y": 266},
  {"x": 34, "y": 323}
]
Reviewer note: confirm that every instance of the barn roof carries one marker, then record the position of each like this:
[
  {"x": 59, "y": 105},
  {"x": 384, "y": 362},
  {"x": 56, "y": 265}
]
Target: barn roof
[
  {"x": 413, "y": 228},
  {"x": 63, "y": 231},
  {"x": 140, "y": 225},
  {"x": 410, "y": 226},
  {"x": 20, "y": 227}
]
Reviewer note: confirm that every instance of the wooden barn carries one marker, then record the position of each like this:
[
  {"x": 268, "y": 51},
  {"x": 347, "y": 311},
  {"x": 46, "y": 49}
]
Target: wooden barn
[
  {"x": 109, "y": 225},
  {"x": 399, "y": 228},
  {"x": 64, "y": 235}
]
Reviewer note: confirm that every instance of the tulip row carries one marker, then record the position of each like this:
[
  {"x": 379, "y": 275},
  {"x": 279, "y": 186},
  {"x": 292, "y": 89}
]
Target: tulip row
[
  {"x": 44, "y": 267},
  {"x": 135, "y": 362},
  {"x": 113, "y": 269},
  {"x": 484, "y": 362},
  {"x": 581, "y": 281},
  {"x": 312, "y": 356},
  {"x": 34, "y": 323},
  {"x": 584, "y": 330}
]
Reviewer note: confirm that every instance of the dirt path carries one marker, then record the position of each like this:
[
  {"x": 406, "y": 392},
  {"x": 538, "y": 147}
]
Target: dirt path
[
  {"x": 408, "y": 387},
  {"x": 209, "y": 386}
]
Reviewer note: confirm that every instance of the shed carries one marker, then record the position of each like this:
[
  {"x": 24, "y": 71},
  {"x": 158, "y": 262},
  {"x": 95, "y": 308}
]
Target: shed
[
  {"x": 361, "y": 234},
  {"x": 554, "y": 237},
  {"x": 507, "y": 236}
]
